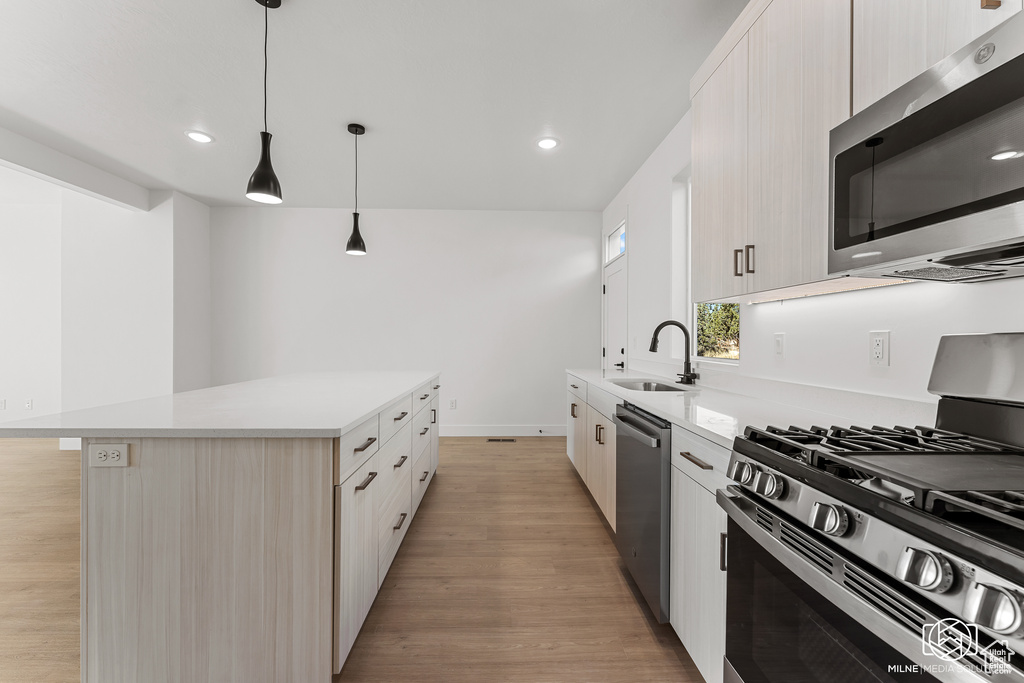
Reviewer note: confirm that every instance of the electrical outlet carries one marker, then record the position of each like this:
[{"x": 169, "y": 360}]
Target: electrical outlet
[
  {"x": 28, "y": 404},
  {"x": 3, "y": 404},
  {"x": 452, "y": 404},
  {"x": 780, "y": 344},
  {"x": 878, "y": 348},
  {"x": 108, "y": 455}
]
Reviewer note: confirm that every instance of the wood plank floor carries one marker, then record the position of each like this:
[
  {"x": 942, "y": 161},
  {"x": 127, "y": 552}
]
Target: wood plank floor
[
  {"x": 40, "y": 493},
  {"x": 508, "y": 574}
]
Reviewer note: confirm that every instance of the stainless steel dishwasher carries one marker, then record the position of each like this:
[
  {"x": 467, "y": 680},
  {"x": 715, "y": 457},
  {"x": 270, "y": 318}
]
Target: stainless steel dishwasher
[{"x": 643, "y": 502}]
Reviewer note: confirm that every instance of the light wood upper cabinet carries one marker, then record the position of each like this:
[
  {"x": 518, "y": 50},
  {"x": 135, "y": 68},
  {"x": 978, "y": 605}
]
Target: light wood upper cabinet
[
  {"x": 895, "y": 40},
  {"x": 798, "y": 90},
  {"x": 719, "y": 146}
]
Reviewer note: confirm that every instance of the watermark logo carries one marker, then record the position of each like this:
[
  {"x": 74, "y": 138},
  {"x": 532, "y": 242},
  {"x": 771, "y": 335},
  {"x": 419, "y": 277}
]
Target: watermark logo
[{"x": 952, "y": 640}]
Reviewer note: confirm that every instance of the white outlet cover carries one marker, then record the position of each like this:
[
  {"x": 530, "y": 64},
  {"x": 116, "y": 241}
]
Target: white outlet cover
[
  {"x": 780, "y": 344},
  {"x": 108, "y": 455},
  {"x": 878, "y": 348}
]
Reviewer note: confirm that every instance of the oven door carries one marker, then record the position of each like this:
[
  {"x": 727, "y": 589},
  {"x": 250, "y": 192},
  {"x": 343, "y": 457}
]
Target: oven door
[{"x": 800, "y": 612}]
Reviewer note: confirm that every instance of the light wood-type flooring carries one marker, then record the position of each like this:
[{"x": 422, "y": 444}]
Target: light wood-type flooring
[{"x": 506, "y": 574}]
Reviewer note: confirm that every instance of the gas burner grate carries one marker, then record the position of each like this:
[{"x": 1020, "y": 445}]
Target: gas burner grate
[{"x": 1003, "y": 507}]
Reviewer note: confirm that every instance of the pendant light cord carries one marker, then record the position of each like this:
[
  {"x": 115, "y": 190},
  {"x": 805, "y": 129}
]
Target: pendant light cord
[
  {"x": 357, "y": 175},
  {"x": 266, "y": 34}
]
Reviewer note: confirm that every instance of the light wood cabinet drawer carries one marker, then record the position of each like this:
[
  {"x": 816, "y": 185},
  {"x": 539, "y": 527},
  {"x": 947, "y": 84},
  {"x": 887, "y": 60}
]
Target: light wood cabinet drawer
[
  {"x": 422, "y": 432},
  {"x": 703, "y": 461},
  {"x": 424, "y": 394},
  {"x": 602, "y": 401},
  {"x": 395, "y": 458},
  {"x": 394, "y": 417},
  {"x": 394, "y": 520},
  {"x": 354, "y": 447},
  {"x": 576, "y": 386},
  {"x": 422, "y": 474}
]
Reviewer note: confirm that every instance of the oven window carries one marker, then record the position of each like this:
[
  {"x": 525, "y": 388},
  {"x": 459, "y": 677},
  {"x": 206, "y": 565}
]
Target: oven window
[
  {"x": 960, "y": 155},
  {"x": 779, "y": 630}
]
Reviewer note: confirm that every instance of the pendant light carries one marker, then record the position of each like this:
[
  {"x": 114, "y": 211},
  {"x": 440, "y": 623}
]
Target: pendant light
[
  {"x": 264, "y": 187},
  {"x": 356, "y": 246}
]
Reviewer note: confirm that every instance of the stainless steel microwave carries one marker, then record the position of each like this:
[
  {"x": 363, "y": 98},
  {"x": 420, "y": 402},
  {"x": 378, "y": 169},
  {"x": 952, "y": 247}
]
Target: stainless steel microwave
[{"x": 928, "y": 182}]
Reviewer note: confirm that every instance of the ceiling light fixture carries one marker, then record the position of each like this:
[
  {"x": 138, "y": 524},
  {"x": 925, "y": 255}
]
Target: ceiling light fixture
[
  {"x": 264, "y": 187},
  {"x": 199, "y": 136},
  {"x": 1003, "y": 156},
  {"x": 356, "y": 246},
  {"x": 547, "y": 143}
]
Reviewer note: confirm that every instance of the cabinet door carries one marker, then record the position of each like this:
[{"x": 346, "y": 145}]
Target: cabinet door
[
  {"x": 355, "y": 555},
  {"x": 799, "y": 89},
  {"x": 596, "y": 474},
  {"x": 895, "y": 40},
  {"x": 576, "y": 434},
  {"x": 719, "y": 214},
  {"x": 435, "y": 413},
  {"x": 608, "y": 458}
]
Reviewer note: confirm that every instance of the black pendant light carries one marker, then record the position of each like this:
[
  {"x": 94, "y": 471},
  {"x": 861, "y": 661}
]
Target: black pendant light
[
  {"x": 356, "y": 246},
  {"x": 264, "y": 187}
]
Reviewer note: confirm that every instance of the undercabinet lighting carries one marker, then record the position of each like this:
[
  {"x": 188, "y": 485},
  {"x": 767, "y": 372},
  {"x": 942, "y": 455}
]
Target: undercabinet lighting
[
  {"x": 793, "y": 295},
  {"x": 1003, "y": 156},
  {"x": 547, "y": 143},
  {"x": 199, "y": 136},
  {"x": 865, "y": 254}
]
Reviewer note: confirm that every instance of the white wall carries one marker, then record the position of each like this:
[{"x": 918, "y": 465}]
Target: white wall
[
  {"x": 30, "y": 311},
  {"x": 500, "y": 302},
  {"x": 646, "y": 203},
  {"x": 192, "y": 369}
]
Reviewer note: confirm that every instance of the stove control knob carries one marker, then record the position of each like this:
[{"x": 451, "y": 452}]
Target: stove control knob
[
  {"x": 925, "y": 569},
  {"x": 769, "y": 485},
  {"x": 994, "y": 608},
  {"x": 830, "y": 519},
  {"x": 742, "y": 472}
]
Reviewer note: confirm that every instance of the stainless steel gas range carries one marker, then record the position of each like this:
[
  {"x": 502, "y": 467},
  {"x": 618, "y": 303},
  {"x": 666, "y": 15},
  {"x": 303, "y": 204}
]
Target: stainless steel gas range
[{"x": 886, "y": 554}]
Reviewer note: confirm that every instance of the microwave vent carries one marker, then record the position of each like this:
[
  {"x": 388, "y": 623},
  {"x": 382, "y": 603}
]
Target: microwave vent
[{"x": 947, "y": 274}]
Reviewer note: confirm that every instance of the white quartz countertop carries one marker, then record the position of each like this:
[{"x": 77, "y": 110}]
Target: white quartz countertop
[
  {"x": 717, "y": 415},
  {"x": 309, "y": 405}
]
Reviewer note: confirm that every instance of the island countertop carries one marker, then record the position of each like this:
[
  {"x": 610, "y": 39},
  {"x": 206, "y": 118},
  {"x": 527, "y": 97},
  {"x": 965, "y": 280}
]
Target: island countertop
[{"x": 306, "y": 405}]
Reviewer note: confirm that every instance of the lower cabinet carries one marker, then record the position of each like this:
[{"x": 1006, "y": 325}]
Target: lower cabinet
[
  {"x": 697, "y": 588},
  {"x": 576, "y": 434},
  {"x": 601, "y": 462}
]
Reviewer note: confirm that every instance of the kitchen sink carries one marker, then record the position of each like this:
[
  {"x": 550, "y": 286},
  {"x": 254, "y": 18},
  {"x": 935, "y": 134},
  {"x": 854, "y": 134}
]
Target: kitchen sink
[{"x": 644, "y": 385}]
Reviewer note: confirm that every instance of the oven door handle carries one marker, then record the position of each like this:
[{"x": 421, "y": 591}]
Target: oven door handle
[{"x": 743, "y": 511}]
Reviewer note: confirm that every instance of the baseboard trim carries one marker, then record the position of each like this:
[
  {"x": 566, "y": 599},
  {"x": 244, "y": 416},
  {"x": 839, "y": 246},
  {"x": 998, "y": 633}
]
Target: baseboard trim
[{"x": 502, "y": 430}]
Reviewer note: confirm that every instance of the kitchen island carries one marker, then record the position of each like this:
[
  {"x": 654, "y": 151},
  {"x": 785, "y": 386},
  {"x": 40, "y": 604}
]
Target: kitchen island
[{"x": 240, "y": 533}]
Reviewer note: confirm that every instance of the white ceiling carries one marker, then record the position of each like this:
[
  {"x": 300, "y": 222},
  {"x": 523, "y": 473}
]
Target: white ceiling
[{"x": 453, "y": 93}]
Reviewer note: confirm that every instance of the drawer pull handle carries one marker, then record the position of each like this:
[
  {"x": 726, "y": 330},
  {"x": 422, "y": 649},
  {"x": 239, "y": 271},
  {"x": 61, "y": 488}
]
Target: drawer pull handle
[
  {"x": 425, "y": 430},
  {"x": 366, "y": 482},
  {"x": 696, "y": 461},
  {"x": 572, "y": 410},
  {"x": 402, "y": 416},
  {"x": 433, "y": 416},
  {"x": 425, "y": 475},
  {"x": 574, "y": 386},
  {"x": 369, "y": 442},
  {"x": 401, "y": 521},
  {"x": 424, "y": 397},
  {"x": 436, "y": 387},
  {"x": 401, "y": 461}
]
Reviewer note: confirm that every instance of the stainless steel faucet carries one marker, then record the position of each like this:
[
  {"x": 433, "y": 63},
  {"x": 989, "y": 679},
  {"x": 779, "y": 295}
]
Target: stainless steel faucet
[{"x": 687, "y": 376}]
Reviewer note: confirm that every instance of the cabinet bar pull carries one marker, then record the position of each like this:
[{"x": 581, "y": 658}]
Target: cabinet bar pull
[
  {"x": 600, "y": 434},
  {"x": 991, "y": 4},
  {"x": 574, "y": 386},
  {"x": 723, "y": 542},
  {"x": 401, "y": 461},
  {"x": 748, "y": 256},
  {"x": 424, "y": 397},
  {"x": 366, "y": 482},
  {"x": 369, "y": 442},
  {"x": 425, "y": 430},
  {"x": 425, "y": 475},
  {"x": 436, "y": 387},
  {"x": 433, "y": 416},
  {"x": 737, "y": 256},
  {"x": 402, "y": 416},
  {"x": 572, "y": 410},
  {"x": 401, "y": 521},
  {"x": 696, "y": 461}
]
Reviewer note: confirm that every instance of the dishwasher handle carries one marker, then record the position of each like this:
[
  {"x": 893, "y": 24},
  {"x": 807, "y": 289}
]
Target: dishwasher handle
[{"x": 635, "y": 431}]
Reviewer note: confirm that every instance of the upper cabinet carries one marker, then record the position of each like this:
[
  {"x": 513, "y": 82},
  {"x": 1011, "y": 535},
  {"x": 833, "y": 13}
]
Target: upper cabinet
[
  {"x": 895, "y": 40},
  {"x": 760, "y": 148}
]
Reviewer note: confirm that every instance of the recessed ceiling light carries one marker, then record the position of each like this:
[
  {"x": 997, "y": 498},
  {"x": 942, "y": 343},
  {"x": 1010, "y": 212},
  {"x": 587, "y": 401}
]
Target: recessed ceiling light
[
  {"x": 199, "y": 136},
  {"x": 1002, "y": 156},
  {"x": 547, "y": 143}
]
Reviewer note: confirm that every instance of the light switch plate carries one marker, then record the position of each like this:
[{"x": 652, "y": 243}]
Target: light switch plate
[{"x": 108, "y": 455}]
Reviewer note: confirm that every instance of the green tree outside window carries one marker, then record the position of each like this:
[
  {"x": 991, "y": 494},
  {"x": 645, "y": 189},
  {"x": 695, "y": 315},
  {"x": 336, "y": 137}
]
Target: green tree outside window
[{"x": 718, "y": 331}]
